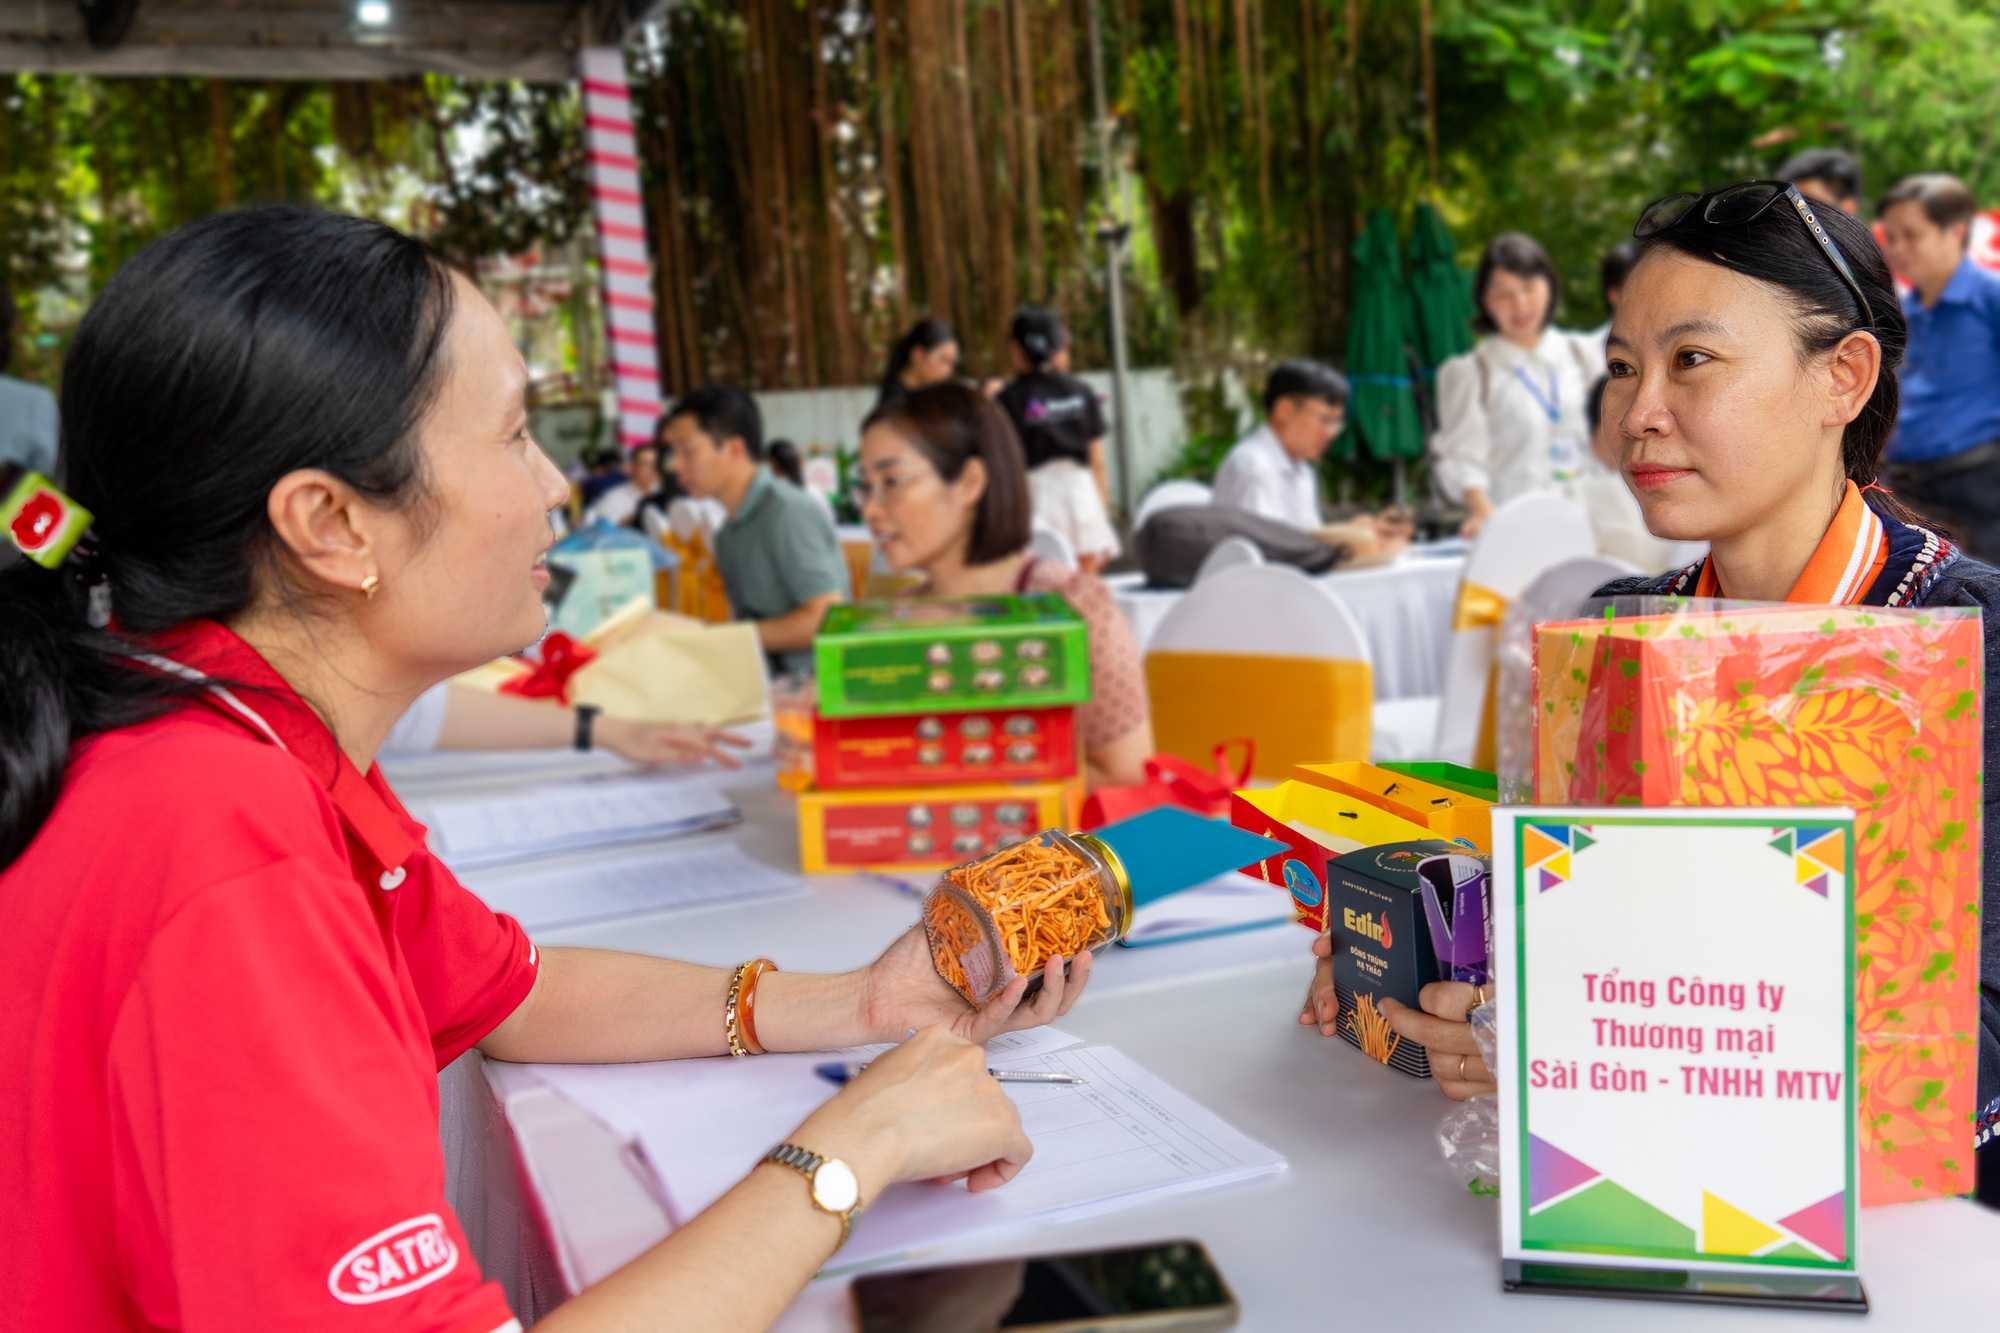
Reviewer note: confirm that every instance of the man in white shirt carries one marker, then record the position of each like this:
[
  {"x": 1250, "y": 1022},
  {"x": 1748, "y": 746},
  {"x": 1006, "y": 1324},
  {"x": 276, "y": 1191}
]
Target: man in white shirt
[{"x": 1273, "y": 471}]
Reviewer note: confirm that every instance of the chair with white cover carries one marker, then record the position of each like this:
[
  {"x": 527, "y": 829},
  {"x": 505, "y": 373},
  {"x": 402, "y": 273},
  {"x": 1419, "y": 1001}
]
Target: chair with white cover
[
  {"x": 1524, "y": 537},
  {"x": 1050, "y": 545},
  {"x": 1559, "y": 593},
  {"x": 1264, "y": 652},
  {"x": 1179, "y": 494},
  {"x": 1229, "y": 553}
]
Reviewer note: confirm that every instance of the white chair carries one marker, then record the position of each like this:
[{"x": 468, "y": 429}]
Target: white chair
[
  {"x": 1262, "y": 651},
  {"x": 1560, "y": 593},
  {"x": 1229, "y": 553},
  {"x": 1525, "y": 536},
  {"x": 1050, "y": 545},
  {"x": 1180, "y": 494}
]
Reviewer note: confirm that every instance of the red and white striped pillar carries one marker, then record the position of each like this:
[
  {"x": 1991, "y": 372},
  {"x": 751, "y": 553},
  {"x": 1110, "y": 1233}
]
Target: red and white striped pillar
[{"x": 621, "y": 241}]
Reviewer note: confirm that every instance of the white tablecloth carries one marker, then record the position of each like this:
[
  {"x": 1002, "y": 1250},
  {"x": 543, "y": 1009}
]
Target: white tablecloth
[
  {"x": 1366, "y": 1230},
  {"x": 1404, "y": 609}
]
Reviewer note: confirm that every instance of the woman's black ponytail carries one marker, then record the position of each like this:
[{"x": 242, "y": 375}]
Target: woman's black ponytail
[
  {"x": 926, "y": 335},
  {"x": 232, "y": 352}
]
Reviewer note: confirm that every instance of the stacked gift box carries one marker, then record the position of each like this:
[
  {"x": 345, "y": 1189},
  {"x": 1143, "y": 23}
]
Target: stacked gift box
[{"x": 945, "y": 729}]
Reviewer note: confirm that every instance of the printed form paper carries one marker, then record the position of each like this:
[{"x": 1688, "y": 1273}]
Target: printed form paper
[
  {"x": 1123, "y": 1138},
  {"x": 512, "y": 824},
  {"x": 629, "y": 884}
]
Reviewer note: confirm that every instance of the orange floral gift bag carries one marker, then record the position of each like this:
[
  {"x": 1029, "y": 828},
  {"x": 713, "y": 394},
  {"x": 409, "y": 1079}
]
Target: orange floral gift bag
[{"x": 1867, "y": 707}]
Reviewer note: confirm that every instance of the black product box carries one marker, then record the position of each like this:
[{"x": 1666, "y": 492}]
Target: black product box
[{"x": 1381, "y": 944}]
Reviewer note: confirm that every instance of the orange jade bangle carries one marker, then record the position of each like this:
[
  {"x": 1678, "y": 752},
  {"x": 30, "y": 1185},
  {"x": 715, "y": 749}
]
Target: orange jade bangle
[{"x": 739, "y": 1022}]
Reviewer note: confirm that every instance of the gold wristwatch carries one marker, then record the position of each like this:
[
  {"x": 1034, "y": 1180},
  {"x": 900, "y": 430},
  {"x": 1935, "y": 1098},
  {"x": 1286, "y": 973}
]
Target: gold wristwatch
[{"x": 834, "y": 1187}]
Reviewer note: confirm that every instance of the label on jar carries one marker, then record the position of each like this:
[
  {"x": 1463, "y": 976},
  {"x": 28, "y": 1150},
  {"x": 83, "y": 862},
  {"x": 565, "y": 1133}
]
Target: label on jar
[{"x": 978, "y": 964}]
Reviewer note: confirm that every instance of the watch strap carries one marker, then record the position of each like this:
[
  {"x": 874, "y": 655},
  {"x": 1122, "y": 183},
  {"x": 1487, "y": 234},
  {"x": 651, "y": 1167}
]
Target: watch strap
[
  {"x": 586, "y": 714},
  {"x": 807, "y": 1164}
]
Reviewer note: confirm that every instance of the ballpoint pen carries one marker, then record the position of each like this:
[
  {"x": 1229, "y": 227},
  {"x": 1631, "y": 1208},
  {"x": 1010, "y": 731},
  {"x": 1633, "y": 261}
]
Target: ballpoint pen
[{"x": 840, "y": 1071}]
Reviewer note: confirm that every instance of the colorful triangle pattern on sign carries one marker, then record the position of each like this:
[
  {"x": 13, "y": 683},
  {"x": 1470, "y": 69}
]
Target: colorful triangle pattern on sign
[
  {"x": 1550, "y": 879},
  {"x": 1829, "y": 850},
  {"x": 1551, "y": 1171},
  {"x": 1824, "y": 1224},
  {"x": 1581, "y": 839},
  {"x": 1727, "y": 1229},
  {"x": 1783, "y": 842},
  {"x": 1537, "y": 846},
  {"x": 1605, "y": 1216}
]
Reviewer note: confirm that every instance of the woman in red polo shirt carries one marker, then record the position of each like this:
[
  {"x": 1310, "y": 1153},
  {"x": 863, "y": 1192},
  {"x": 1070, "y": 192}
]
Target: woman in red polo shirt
[{"x": 231, "y": 971}]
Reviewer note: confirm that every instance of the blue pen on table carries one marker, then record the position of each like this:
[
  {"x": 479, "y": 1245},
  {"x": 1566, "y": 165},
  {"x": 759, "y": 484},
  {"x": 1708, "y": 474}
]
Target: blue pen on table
[{"x": 841, "y": 1071}]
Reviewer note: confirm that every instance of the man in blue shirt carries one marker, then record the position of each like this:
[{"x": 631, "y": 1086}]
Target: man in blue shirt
[
  {"x": 1944, "y": 459},
  {"x": 27, "y": 411}
]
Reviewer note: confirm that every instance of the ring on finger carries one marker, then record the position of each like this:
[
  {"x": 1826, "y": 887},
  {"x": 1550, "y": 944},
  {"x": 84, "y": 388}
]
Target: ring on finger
[{"x": 1461, "y": 1069}]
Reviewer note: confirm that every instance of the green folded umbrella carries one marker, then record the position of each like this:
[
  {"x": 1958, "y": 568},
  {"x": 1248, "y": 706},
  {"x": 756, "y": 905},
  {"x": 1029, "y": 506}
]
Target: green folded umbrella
[
  {"x": 1383, "y": 409},
  {"x": 1440, "y": 291}
]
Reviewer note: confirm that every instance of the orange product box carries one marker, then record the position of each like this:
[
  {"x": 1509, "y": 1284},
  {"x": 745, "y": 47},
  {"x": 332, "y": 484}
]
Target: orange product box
[
  {"x": 1316, "y": 825},
  {"x": 1451, "y": 815},
  {"x": 1877, "y": 709},
  {"x": 927, "y": 828},
  {"x": 991, "y": 745}
]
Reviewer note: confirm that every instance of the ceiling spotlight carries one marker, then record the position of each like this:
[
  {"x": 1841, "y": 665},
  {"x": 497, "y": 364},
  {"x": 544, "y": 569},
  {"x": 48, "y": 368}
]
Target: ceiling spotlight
[{"x": 373, "y": 13}]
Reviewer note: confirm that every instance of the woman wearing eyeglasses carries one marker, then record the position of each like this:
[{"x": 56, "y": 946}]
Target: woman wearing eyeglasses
[
  {"x": 1752, "y": 365},
  {"x": 946, "y": 487}
]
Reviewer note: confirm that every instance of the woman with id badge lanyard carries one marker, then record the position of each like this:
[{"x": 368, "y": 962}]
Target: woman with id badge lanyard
[{"x": 1511, "y": 411}]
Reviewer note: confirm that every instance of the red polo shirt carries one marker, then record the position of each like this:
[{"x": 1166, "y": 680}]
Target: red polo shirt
[{"x": 229, "y": 974}]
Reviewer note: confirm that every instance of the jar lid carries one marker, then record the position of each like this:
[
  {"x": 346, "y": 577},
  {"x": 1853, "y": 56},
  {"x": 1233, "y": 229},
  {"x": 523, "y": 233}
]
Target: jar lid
[{"x": 1118, "y": 875}]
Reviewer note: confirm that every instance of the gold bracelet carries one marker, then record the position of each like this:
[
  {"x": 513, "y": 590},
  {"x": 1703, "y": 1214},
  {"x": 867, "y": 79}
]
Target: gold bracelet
[{"x": 736, "y": 1021}]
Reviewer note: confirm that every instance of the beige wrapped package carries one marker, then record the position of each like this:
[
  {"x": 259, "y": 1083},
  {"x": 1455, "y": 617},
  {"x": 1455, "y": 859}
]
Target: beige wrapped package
[{"x": 654, "y": 666}]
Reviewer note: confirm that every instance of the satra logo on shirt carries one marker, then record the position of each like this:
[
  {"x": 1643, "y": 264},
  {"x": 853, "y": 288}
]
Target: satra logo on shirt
[{"x": 394, "y": 1262}]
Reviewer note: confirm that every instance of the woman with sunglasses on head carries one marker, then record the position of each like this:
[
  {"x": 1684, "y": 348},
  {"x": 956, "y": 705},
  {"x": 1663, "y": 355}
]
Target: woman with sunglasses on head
[
  {"x": 231, "y": 970},
  {"x": 1752, "y": 387},
  {"x": 945, "y": 492}
]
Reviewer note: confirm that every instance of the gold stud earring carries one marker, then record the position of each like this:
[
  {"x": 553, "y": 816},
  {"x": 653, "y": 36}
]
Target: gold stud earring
[{"x": 370, "y": 585}]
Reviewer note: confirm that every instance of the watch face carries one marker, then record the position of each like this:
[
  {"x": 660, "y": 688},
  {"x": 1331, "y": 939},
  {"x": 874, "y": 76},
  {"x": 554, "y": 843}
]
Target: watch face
[{"x": 834, "y": 1187}]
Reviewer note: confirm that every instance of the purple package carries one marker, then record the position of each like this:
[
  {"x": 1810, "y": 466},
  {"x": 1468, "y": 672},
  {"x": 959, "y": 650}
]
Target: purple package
[{"x": 1458, "y": 904}]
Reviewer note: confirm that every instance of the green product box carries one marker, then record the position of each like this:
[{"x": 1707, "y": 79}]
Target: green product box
[
  {"x": 944, "y": 654},
  {"x": 1452, "y": 777}
]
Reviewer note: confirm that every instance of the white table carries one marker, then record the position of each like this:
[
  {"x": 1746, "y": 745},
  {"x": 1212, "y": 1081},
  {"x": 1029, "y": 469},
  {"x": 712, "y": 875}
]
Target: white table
[
  {"x": 1404, "y": 608},
  {"x": 1367, "y": 1230}
]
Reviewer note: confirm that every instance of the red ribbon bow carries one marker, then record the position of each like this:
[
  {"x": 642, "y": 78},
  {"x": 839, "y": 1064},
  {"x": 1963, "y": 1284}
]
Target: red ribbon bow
[{"x": 562, "y": 656}]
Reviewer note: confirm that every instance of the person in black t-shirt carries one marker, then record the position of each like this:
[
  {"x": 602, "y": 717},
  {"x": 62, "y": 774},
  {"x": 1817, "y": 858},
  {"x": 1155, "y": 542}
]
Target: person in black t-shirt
[{"x": 1062, "y": 433}]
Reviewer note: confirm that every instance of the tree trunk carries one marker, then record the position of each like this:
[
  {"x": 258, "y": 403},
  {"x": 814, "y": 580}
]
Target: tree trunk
[
  {"x": 842, "y": 362},
  {"x": 1173, "y": 241},
  {"x": 218, "y": 117},
  {"x": 888, "y": 160},
  {"x": 1030, "y": 158},
  {"x": 926, "y": 111}
]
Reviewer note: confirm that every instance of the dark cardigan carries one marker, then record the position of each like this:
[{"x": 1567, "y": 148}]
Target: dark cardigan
[{"x": 1925, "y": 570}]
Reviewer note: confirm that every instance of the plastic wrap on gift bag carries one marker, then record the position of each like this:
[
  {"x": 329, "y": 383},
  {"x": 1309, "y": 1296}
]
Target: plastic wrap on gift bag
[
  {"x": 1674, "y": 702},
  {"x": 1470, "y": 1132}
]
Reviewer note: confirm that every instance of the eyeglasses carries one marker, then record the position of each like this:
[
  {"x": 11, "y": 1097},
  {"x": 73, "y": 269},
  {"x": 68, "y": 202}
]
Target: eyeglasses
[{"x": 1739, "y": 206}]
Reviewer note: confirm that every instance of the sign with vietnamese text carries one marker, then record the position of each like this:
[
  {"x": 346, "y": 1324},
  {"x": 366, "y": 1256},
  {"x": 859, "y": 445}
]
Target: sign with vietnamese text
[{"x": 1677, "y": 1037}]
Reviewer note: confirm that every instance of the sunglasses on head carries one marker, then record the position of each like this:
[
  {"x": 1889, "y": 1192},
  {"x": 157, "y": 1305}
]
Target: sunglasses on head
[{"x": 1739, "y": 206}]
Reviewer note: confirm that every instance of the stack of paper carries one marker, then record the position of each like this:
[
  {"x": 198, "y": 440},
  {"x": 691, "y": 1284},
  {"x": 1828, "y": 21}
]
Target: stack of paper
[
  {"x": 628, "y": 884},
  {"x": 482, "y": 828},
  {"x": 1122, "y": 1139}
]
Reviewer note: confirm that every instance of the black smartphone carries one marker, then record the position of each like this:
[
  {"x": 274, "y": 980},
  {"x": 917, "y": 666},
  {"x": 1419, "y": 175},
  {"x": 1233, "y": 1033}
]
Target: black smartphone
[{"x": 1171, "y": 1286}]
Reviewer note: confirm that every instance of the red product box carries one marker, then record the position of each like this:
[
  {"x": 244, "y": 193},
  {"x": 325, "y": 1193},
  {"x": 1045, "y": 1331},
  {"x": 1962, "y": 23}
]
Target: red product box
[{"x": 994, "y": 745}]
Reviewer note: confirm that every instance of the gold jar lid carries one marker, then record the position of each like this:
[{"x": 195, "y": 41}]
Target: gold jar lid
[{"x": 1122, "y": 880}]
